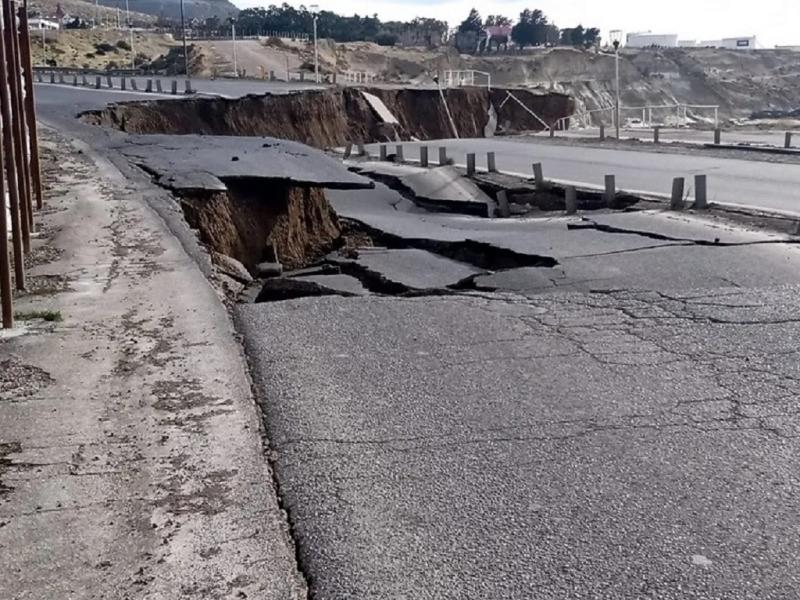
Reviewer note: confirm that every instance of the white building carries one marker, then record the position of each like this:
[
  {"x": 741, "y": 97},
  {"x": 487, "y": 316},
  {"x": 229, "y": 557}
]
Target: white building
[
  {"x": 648, "y": 40},
  {"x": 39, "y": 23},
  {"x": 735, "y": 43}
]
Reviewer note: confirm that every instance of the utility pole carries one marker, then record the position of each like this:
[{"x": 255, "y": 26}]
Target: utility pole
[
  {"x": 130, "y": 31},
  {"x": 233, "y": 38},
  {"x": 185, "y": 51},
  {"x": 314, "y": 9},
  {"x": 616, "y": 39}
]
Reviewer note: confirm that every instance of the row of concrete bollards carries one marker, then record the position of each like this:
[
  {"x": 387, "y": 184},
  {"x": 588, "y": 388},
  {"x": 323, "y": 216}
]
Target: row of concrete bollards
[
  {"x": 787, "y": 141},
  {"x": 677, "y": 200},
  {"x": 153, "y": 85}
]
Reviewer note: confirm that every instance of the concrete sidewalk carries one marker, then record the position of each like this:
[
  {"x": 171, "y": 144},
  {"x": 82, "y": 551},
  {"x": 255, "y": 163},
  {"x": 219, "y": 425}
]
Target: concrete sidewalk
[{"x": 131, "y": 454}]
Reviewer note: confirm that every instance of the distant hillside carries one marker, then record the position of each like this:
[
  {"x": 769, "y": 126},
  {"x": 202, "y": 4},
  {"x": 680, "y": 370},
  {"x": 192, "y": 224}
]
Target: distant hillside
[
  {"x": 86, "y": 10},
  {"x": 171, "y": 9}
]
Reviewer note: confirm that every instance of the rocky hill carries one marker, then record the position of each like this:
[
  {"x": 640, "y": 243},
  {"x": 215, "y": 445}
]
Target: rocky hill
[{"x": 171, "y": 9}]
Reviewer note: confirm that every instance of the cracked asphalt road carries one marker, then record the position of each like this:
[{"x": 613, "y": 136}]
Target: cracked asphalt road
[{"x": 616, "y": 445}]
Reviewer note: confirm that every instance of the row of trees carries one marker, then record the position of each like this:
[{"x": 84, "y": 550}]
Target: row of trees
[
  {"x": 532, "y": 29},
  {"x": 286, "y": 18}
]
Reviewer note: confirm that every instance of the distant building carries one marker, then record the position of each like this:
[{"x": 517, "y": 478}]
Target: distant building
[
  {"x": 649, "y": 40},
  {"x": 39, "y": 23},
  {"x": 735, "y": 43},
  {"x": 792, "y": 48}
]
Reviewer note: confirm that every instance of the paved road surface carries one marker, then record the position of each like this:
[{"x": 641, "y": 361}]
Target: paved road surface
[{"x": 757, "y": 184}]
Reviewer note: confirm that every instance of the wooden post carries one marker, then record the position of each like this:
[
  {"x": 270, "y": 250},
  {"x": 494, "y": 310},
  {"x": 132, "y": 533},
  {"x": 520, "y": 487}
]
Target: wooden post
[
  {"x": 491, "y": 162},
  {"x": 148, "y": 87},
  {"x": 502, "y": 204},
  {"x": 36, "y": 170},
  {"x": 159, "y": 86},
  {"x": 442, "y": 155},
  {"x": 134, "y": 85},
  {"x": 602, "y": 132},
  {"x": 75, "y": 80},
  {"x": 571, "y": 199},
  {"x": 470, "y": 164},
  {"x": 398, "y": 153},
  {"x": 700, "y": 192},
  {"x": 98, "y": 82},
  {"x": 382, "y": 153},
  {"x": 788, "y": 140},
  {"x": 361, "y": 150},
  {"x": 6, "y": 298},
  {"x": 348, "y": 150},
  {"x": 717, "y": 136},
  {"x": 110, "y": 82},
  {"x": 123, "y": 83},
  {"x": 423, "y": 156},
  {"x": 10, "y": 164},
  {"x": 656, "y": 134},
  {"x": 188, "y": 86},
  {"x": 611, "y": 190},
  {"x": 174, "y": 87},
  {"x": 538, "y": 177},
  {"x": 676, "y": 200}
]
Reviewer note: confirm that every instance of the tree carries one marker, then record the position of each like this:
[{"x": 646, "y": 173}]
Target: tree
[
  {"x": 497, "y": 21},
  {"x": 473, "y": 22},
  {"x": 579, "y": 37},
  {"x": 531, "y": 29},
  {"x": 591, "y": 36}
]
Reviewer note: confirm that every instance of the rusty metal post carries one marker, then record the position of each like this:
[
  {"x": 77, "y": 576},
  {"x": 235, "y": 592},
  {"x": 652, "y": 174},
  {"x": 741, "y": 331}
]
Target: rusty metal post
[
  {"x": 30, "y": 105},
  {"x": 6, "y": 299},
  {"x": 11, "y": 167},
  {"x": 17, "y": 121}
]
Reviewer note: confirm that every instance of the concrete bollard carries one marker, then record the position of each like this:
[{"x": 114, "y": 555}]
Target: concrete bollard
[
  {"x": 611, "y": 189},
  {"x": 382, "y": 152},
  {"x": 442, "y": 155},
  {"x": 60, "y": 78},
  {"x": 109, "y": 82},
  {"x": 52, "y": 77},
  {"x": 538, "y": 177},
  {"x": 348, "y": 150},
  {"x": 123, "y": 83},
  {"x": 717, "y": 136},
  {"x": 571, "y": 199},
  {"x": 159, "y": 87},
  {"x": 272, "y": 75},
  {"x": 502, "y": 204},
  {"x": 491, "y": 162},
  {"x": 148, "y": 87},
  {"x": 39, "y": 76},
  {"x": 656, "y": 134},
  {"x": 787, "y": 143},
  {"x": 134, "y": 85},
  {"x": 423, "y": 156},
  {"x": 98, "y": 82},
  {"x": 361, "y": 150},
  {"x": 602, "y": 132},
  {"x": 470, "y": 164},
  {"x": 74, "y": 81},
  {"x": 302, "y": 76},
  {"x": 84, "y": 81},
  {"x": 187, "y": 87},
  {"x": 398, "y": 153},
  {"x": 676, "y": 200},
  {"x": 174, "y": 87},
  {"x": 700, "y": 192}
]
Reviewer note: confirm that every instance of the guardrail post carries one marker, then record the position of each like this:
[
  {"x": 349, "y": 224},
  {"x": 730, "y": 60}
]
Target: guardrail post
[
  {"x": 174, "y": 87},
  {"x": 442, "y": 155},
  {"x": 123, "y": 83},
  {"x": 110, "y": 82},
  {"x": 611, "y": 189},
  {"x": 700, "y": 192},
  {"x": 148, "y": 87},
  {"x": 602, "y": 132},
  {"x": 717, "y": 136},
  {"x": 470, "y": 164},
  {"x": 656, "y": 134},
  {"x": 382, "y": 152},
  {"x": 159, "y": 87},
  {"x": 423, "y": 156},
  {"x": 502, "y": 204},
  {"x": 398, "y": 153},
  {"x": 491, "y": 162},
  {"x": 571, "y": 199},
  {"x": 787, "y": 143},
  {"x": 676, "y": 200},
  {"x": 538, "y": 177}
]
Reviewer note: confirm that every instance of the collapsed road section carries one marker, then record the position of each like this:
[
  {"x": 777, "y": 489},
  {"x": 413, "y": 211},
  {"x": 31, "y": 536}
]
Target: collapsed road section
[{"x": 329, "y": 118}]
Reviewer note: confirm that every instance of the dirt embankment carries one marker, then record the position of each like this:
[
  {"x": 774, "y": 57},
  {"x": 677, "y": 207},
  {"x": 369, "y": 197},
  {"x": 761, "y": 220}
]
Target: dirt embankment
[
  {"x": 335, "y": 117},
  {"x": 253, "y": 219}
]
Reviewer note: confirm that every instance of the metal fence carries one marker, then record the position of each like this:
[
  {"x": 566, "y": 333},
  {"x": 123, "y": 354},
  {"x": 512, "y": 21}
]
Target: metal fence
[{"x": 20, "y": 177}]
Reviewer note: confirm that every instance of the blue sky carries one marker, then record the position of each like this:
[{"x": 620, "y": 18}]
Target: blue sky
[{"x": 773, "y": 21}]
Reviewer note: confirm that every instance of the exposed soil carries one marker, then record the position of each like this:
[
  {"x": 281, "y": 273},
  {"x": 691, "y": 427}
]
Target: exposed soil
[
  {"x": 335, "y": 117},
  {"x": 253, "y": 217}
]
